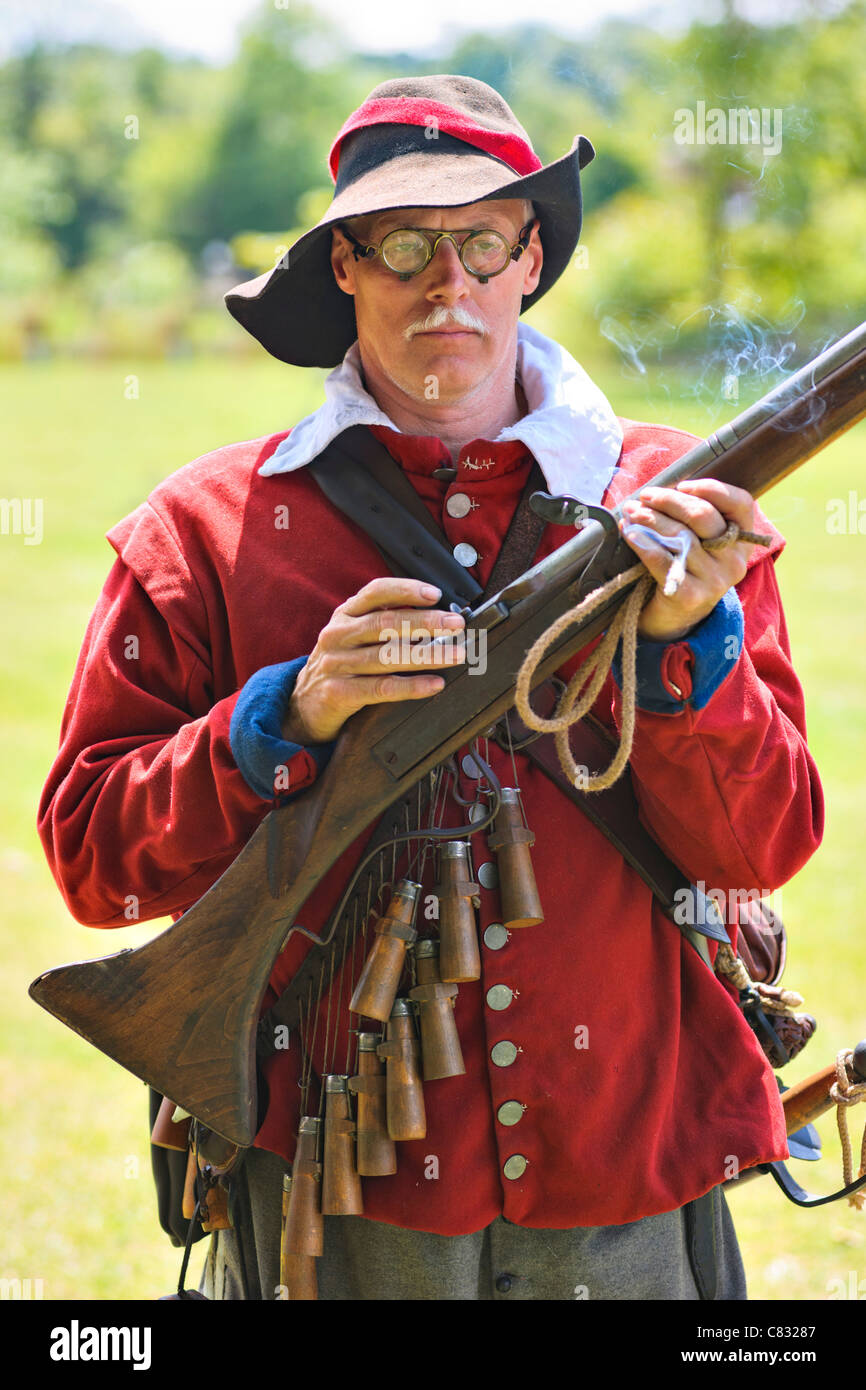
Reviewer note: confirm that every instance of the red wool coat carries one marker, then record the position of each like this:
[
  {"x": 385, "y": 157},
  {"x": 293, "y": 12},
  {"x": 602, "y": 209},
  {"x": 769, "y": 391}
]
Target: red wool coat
[{"x": 641, "y": 1085}]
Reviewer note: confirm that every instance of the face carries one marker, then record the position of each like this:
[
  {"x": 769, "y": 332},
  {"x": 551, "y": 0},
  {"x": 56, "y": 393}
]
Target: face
[{"x": 405, "y": 345}]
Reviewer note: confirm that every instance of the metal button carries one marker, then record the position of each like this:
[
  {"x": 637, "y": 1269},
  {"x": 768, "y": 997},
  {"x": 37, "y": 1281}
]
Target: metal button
[
  {"x": 449, "y": 474},
  {"x": 495, "y": 936},
  {"x": 488, "y": 874},
  {"x": 499, "y": 997},
  {"x": 503, "y": 1283},
  {"x": 503, "y": 1054},
  {"x": 470, "y": 766},
  {"x": 458, "y": 504},
  {"x": 510, "y": 1112},
  {"x": 465, "y": 554},
  {"x": 515, "y": 1166},
  {"x": 477, "y": 812}
]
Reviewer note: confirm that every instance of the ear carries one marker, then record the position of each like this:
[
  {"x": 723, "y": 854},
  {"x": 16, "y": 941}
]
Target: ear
[
  {"x": 342, "y": 261},
  {"x": 531, "y": 261}
]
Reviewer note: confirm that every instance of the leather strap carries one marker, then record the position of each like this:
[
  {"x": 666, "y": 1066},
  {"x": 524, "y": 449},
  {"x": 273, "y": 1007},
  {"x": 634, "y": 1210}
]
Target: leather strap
[
  {"x": 367, "y": 494},
  {"x": 796, "y": 1194},
  {"x": 413, "y": 546},
  {"x": 700, "y": 1219}
]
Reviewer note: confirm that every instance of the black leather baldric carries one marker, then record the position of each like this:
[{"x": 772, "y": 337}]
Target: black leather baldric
[{"x": 411, "y": 543}]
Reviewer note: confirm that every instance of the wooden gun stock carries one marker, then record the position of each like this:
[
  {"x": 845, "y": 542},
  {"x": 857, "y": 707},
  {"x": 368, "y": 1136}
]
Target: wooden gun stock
[{"x": 181, "y": 1011}]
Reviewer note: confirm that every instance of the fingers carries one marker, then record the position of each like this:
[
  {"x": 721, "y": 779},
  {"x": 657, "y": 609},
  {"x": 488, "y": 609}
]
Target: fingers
[
  {"x": 394, "y": 650},
  {"x": 704, "y": 505},
  {"x": 699, "y": 509},
  {"x": 376, "y": 609},
  {"x": 379, "y": 646},
  {"x": 733, "y": 503},
  {"x": 348, "y": 694},
  {"x": 389, "y": 591}
]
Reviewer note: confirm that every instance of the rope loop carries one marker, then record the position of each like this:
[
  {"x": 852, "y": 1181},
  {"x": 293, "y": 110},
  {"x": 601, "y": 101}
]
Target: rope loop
[
  {"x": 846, "y": 1092},
  {"x": 584, "y": 686}
]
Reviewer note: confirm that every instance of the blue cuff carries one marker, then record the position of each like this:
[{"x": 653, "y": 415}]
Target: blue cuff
[
  {"x": 255, "y": 732},
  {"x": 715, "y": 643}
]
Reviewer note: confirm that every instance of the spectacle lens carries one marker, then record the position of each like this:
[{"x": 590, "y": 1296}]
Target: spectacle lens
[
  {"x": 485, "y": 253},
  {"x": 405, "y": 251}
]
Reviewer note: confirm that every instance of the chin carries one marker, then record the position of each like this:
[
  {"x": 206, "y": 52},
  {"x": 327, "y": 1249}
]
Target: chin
[{"x": 452, "y": 385}]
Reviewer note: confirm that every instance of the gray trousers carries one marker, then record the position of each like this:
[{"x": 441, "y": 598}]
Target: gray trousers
[{"x": 368, "y": 1260}]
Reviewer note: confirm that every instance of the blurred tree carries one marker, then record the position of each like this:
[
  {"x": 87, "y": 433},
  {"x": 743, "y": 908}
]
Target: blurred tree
[
  {"x": 290, "y": 91},
  {"x": 106, "y": 155},
  {"x": 150, "y": 77}
]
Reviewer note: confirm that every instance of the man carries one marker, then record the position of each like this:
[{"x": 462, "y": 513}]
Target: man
[{"x": 611, "y": 1082}]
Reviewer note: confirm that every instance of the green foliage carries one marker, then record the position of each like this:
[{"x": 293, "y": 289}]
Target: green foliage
[
  {"x": 280, "y": 117},
  {"x": 103, "y": 152}
]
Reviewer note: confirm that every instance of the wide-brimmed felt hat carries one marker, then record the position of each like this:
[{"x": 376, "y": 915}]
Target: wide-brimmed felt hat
[{"x": 441, "y": 141}]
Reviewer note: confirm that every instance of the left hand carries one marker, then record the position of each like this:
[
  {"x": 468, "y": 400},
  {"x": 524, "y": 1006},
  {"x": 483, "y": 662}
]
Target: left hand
[{"x": 704, "y": 507}]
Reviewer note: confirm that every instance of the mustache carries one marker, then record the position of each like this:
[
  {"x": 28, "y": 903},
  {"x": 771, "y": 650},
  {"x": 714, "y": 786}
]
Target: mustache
[{"x": 441, "y": 318}]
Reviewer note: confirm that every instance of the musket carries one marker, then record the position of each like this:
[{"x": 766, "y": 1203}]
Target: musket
[{"x": 181, "y": 1011}]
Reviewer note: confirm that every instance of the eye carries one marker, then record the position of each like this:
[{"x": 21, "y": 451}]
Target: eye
[
  {"x": 486, "y": 252},
  {"x": 404, "y": 251}
]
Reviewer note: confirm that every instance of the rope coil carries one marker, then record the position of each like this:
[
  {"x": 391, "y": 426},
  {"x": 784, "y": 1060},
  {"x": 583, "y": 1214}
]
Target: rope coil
[{"x": 593, "y": 672}]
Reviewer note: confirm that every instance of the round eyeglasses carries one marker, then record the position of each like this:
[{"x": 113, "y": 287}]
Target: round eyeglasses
[{"x": 407, "y": 251}]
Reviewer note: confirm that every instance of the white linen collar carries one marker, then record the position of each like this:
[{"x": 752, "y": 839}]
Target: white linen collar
[{"x": 570, "y": 429}]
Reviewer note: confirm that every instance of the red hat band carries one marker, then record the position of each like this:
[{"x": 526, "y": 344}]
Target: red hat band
[{"x": 507, "y": 146}]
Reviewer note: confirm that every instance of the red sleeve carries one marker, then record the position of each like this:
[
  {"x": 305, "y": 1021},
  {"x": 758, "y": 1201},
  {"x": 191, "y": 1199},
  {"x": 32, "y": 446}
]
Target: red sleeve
[
  {"x": 144, "y": 806},
  {"x": 731, "y": 791}
]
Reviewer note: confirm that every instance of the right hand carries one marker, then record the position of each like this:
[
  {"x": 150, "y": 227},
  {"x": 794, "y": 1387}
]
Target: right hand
[{"x": 352, "y": 663}]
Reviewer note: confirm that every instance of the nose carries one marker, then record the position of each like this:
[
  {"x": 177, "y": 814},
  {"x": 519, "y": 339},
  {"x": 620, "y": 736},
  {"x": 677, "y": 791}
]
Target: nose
[{"x": 447, "y": 281}]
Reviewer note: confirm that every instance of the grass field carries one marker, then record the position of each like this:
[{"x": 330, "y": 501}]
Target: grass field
[{"x": 77, "y": 1209}]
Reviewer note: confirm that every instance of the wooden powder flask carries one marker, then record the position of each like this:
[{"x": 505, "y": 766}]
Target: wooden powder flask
[
  {"x": 216, "y": 1216},
  {"x": 440, "y": 1045},
  {"x": 376, "y": 1156},
  {"x": 304, "y": 1227},
  {"x": 377, "y": 988},
  {"x": 511, "y": 841},
  {"x": 166, "y": 1134},
  {"x": 404, "y": 1089},
  {"x": 297, "y": 1272},
  {"x": 341, "y": 1185},
  {"x": 459, "y": 953}
]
